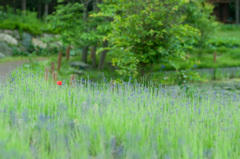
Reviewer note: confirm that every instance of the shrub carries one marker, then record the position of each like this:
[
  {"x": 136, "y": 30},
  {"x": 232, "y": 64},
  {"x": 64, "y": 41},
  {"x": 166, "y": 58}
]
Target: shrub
[{"x": 29, "y": 22}]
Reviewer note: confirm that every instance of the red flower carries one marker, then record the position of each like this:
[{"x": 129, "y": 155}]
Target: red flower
[{"x": 59, "y": 82}]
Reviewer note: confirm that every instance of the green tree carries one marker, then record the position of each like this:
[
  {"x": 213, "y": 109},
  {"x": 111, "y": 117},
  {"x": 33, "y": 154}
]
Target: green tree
[
  {"x": 67, "y": 20},
  {"x": 237, "y": 11},
  {"x": 24, "y": 5},
  {"x": 46, "y": 7},
  {"x": 198, "y": 15},
  {"x": 79, "y": 29},
  {"x": 101, "y": 28},
  {"x": 146, "y": 32}
]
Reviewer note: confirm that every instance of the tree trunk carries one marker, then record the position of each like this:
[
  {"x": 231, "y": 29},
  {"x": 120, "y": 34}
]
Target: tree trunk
[
  {"x": 103, "y": 56},
  {"x": 93, "y": 55},
  {"x": 15, "y": 4},
  {"x": 84, "y": 54},
  {"x": 237, "y": 11},
  {"x": 142, "y": 68},
  {"x": 46, "y": 10},
  {"x": 24, "y": 5},
  {"x": 39, "y": 10},
  {"x": 85, "y": 16}
]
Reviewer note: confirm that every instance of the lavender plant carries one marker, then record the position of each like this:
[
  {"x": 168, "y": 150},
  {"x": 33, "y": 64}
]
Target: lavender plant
[{"x": 40, "y": 119}]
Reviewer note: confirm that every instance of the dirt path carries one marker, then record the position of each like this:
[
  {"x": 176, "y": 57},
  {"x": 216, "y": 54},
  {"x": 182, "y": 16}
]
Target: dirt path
[{"x": 7, "y": 67}]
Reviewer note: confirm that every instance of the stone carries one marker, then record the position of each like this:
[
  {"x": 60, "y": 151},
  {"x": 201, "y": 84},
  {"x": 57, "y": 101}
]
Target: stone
[
  {"x": 8, "y": 39},
  {"x": 26, "y": 40},
  {"x": 45, "y": 35},
  {"x": 16, "y": 34},
  {"x": 79, "y": 72},
  {"x": 79, "y": 64},
  {"x": 59, "y": 43},
  {"x": 2, "y": 55},
  {"x": 9, "y": 32},
  {"x": 38, "y": 42},
  {"x": 5, "y": 49}
]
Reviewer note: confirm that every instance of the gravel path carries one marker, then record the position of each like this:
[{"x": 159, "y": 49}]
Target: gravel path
[{"x": 6, "y": 68}]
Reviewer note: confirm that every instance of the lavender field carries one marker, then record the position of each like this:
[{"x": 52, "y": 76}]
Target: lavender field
[{"x": 41, "y": 120}]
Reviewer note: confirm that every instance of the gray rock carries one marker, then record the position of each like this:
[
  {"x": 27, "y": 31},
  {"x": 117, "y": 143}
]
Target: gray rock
[
  {"x": 16, "y": 34},
  {"x": 8, "y": 39},
  {"x": 47, "y": 35},
  {"x": 9, "y": 32},
  {"x": 26, "y": 40},
  {"x": 38, "y": 42},
  {"x": 5, "y": 49},
  {"x": 79, "y": 72},
  {"x": 2, "y": 55},
  {"x": 79, "y": 64}
]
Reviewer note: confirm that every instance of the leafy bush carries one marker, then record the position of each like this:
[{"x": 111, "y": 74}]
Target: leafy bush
[
  {"x": 224, "y": 42},
  {"x": 35, "y": 50},
  {"x": 141, "y": 35}
]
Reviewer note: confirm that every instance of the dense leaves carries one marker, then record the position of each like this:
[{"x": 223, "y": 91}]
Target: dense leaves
[{"x": 142, "y": 35}]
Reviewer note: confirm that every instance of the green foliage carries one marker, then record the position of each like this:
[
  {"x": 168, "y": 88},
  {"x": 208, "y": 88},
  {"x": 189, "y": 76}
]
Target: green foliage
[
  {"x": 142, "y": 35},
  {"x": 224, "y": 42},
  {"x": 185, "y": 77},
  {"x": 229, "y": 27},
  {"x": 28, "y": 23},
  {"x": 198, "y": 14},
  {"x": 34, "y": 50},
  {"x": 67, "y": 20}
]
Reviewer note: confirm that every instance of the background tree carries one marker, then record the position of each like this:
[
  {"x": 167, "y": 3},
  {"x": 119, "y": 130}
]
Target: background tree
[
  {"x": 24, "y": 5},
  {"x": 85, "y": 4},
  {"x": 68, "y": 20},
  {"x": 82, "y": 32},
  {"x": 237, "y": 11},
  {"x": 46, "y": 7},
  {"x": 199, "y": 15},
  {"x": 101, "y": 29}
]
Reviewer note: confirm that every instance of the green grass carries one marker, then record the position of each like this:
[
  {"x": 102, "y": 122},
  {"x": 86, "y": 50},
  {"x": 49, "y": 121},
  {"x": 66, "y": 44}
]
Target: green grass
[
  {"x": 20, "y": 58},
  {"x": 229, "y": 27},
  {"x": 235, "y": 34},
  {"x": 92, "y": 121}
]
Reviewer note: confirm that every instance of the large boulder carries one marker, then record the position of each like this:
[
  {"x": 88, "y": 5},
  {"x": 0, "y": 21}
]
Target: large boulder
[
  {"x": 79, "y": 72},
  {"x": 9, "y": 32},
  {"x": 26, "y": 40},
  {"x": 51, "y": 40},
  {"x": 79, "y": 65},
  {"x": 8, "y": 39},
  {"x": 16, "y": 35},
  {"x": 38, "y": 42},
  {"x": 5, "y": 49},
  {"x": 2, "y": 55},
  {"x": 45, "y": 35}
]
